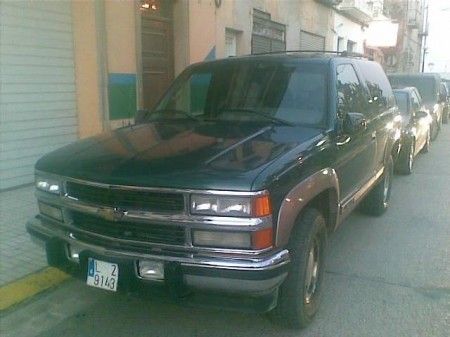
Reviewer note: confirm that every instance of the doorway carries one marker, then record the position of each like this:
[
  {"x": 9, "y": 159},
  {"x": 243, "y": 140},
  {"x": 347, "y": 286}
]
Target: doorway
[{"x": 157, "y": 50}]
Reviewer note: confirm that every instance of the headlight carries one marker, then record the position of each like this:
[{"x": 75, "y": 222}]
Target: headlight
[
  {"x": 256, "y": 206},
  {"x": 48, "y": 185}
]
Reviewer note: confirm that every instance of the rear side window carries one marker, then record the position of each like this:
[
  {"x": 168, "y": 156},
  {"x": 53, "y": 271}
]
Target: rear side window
[
  {"x": 351, "y": 97},
  {"x": 379, "y": 87},
  {"x": 402, "y": 102},
  {"x": 415, "y": 101}
]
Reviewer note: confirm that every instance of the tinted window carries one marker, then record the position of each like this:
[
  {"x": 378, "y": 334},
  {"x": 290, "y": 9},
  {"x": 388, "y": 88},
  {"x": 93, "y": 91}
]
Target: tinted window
[
  {"x": 416, "y": 96},
  {"x": 229, "y": 90},
  {"x": 351, "y": 97},
  {"x": 415, "y": 100},
  {"x": 379, "y": 87},
  {"x": 402, "y": 102},
  {"x": 443, "y": 90}
]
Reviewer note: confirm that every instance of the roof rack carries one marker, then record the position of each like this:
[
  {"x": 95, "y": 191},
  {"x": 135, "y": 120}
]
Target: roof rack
[{"x": 340, "y": 53}]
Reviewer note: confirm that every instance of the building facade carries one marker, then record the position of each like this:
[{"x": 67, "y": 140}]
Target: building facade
[
  {"x": 351, "y": 20},
  {"x": 407, "y": 54}
]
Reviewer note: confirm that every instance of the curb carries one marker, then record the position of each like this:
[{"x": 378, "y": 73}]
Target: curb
[{"x": 18, "y": 291}]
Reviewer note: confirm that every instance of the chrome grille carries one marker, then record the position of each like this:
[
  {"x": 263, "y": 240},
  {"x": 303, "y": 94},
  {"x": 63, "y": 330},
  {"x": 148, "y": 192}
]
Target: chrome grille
[
  {"x": 127, "y": 199},
  {"x": 144, "y": 232}
]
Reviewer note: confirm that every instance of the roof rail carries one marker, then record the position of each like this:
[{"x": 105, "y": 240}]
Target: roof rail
[{"x": 340, "y": 53}]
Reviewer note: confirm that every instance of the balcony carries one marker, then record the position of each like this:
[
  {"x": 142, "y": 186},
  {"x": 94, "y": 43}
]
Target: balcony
[{"x": 357, "y": 9}]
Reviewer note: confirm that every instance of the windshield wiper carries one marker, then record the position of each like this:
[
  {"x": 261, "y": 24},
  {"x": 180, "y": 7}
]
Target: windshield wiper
[
  {"x": 259, "y": 113},
  {"x": 180, "y": 112}
]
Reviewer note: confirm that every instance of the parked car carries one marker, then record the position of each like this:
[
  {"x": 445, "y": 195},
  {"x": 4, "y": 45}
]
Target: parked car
[
  {"x": 428, "y": 85},
  {"x": 416, "y": 131},
  {"x": 229, "y": 186}
]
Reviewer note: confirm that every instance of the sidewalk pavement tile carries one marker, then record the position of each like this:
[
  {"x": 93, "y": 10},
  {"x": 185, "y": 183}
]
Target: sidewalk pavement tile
[{"x": 19, "y": 256}]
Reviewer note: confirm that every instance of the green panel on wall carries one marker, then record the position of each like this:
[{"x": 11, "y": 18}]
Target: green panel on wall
[{"x": 122, "y": 96}]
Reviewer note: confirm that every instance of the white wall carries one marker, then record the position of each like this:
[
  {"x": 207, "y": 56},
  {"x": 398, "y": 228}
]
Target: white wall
[{"x": 348, "y": 30}]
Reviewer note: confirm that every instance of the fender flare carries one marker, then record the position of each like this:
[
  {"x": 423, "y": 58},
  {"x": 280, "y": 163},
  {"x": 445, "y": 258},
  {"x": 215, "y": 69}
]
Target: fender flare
[{"x": 299, "y": 196}]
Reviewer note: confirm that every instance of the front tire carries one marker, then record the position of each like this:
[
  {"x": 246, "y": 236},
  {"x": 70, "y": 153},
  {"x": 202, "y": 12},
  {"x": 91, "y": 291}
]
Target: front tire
[
  {"x": 299, "y": 295},
  {"x": 426, "y": 147},
  {"x": 405, "y": 160},
  {"x": 377, "y": 201},
  {"x": 434, "y": 130}
]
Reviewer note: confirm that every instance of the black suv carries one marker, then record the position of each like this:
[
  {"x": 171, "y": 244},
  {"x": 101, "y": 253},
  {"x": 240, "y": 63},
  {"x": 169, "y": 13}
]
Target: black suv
[{"x": 229, "y": 187}]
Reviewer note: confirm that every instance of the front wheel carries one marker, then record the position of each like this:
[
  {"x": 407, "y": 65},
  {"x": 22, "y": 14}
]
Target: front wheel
[
  {"x": 434, "y": 129},
  {"x": 299, "y": 295},
  {"x": 377, "y": 201},
  {"x": 405, "y": 160},
  {"x": 426, "y": 147}
]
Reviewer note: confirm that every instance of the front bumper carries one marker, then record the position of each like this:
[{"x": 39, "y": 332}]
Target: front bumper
[{"x": 250, "y": 276}]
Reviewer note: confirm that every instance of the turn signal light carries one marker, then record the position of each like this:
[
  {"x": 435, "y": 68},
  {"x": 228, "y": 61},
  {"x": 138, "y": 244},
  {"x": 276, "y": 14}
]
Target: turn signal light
[
  {"x": 261, "y": 206},
  {"x": 262, "y": 239}
]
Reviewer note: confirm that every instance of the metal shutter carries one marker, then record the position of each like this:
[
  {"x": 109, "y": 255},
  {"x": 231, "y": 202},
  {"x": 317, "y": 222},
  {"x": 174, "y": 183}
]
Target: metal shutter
[
  {"x": 37, "y": 85},
  {"x": 260, "y": 44},
  {"x": 309, "y": 41},
  {"x": 267, "y": 35}
]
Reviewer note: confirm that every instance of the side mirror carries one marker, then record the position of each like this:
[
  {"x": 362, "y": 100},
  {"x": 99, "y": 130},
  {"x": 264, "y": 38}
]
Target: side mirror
[
  {"x": 416, "y": 106},
  {"x": 420, "y": 114},
  {"x": 140, "y": 116},
  {"x": 354, "y": 122}
]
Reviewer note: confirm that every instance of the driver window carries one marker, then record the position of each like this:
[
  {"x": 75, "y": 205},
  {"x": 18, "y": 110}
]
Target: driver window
[
  {"x": 191, "y": 95},
  {"x": 350, "y": 92}
]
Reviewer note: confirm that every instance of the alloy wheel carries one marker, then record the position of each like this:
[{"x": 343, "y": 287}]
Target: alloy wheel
[
  {"x": 312, "y": 271},
  {"x": 411, "y": 157},
  {"x": 386, "y": 188}
]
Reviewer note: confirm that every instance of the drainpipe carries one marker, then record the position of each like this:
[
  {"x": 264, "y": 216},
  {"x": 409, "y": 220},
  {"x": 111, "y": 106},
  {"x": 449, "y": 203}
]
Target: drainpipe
[{"x": 424, "y": 38}]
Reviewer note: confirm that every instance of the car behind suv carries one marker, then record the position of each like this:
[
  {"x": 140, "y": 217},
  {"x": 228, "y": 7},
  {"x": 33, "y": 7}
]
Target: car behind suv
[
  {"x": 229, "y": 187},
  {"x": 416, "y": 131},
  {"x": 429, "y": 86}
]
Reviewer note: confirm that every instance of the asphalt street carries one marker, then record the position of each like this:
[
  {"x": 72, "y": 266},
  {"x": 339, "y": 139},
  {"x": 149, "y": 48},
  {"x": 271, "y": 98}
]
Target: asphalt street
[{"x": 386, "y": 276}]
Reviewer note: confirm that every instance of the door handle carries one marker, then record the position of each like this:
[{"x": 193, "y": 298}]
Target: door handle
[
  {"x": 374, "y": 135},
  {"x": 343, "y": 140}
]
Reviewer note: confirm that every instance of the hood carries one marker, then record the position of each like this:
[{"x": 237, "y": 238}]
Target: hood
[{"x": 177, "y": 154}]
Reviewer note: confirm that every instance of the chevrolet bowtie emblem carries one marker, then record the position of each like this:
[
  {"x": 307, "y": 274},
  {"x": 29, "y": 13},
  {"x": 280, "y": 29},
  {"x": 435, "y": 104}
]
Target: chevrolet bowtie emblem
[{"x": 111, "y": 214}]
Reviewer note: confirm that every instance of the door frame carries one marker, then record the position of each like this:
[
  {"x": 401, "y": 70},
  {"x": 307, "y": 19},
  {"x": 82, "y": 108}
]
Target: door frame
[{"x": 139, "y": 62}]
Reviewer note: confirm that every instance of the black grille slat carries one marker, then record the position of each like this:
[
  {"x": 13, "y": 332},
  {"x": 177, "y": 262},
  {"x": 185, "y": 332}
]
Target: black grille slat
[
  {"x": 128, "y": 199},
  {"x": 165, "y": 234}
]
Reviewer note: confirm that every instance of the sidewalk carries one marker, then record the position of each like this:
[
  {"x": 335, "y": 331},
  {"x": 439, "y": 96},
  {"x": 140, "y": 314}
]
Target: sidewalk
[{"x": 19, "y": 256}]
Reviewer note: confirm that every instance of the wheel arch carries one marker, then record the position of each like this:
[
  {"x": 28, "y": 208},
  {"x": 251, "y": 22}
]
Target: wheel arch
[{"x": 320, "y": 190}]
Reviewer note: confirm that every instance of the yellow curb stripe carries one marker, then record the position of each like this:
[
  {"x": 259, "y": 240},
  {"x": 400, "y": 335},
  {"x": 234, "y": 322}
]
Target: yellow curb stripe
[{"x": 18, "y": 291}]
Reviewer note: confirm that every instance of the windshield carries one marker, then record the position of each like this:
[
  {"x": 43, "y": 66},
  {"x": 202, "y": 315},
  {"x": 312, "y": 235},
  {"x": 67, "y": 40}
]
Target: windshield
[
  {"x": 402, "y": 102},
  {"x": 248, "y": 91},
  {"x": 426, "y": 86}
]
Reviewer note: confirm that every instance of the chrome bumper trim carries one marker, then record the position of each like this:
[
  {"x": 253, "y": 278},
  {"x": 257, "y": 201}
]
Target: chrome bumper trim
[{"x": 236, "y": 262}]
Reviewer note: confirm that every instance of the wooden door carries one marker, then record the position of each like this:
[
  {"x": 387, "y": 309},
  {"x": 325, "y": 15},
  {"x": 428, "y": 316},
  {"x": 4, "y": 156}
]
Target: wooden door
[{"x": 157, "y": 58}]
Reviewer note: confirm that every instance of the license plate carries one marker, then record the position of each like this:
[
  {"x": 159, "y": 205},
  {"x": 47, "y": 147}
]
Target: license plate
[{"x": 102, "y": 274}]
